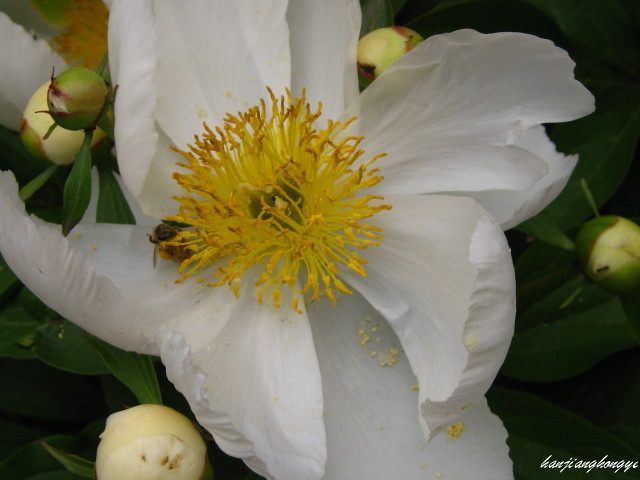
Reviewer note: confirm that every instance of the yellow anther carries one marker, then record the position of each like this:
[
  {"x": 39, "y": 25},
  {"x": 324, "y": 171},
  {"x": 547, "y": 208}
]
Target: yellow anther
[{"x": 270, "y": 189}]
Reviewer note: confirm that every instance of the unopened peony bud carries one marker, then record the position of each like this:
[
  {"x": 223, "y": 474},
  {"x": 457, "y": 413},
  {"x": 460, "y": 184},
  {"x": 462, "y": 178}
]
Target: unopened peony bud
[
  {"x": 150, "y": 442},
  {"x": 609, "y": 249},
  {"x": 62, "y": 145},
  {"x": 377, "y": 50},
  {"x": 77, "y": 98}
]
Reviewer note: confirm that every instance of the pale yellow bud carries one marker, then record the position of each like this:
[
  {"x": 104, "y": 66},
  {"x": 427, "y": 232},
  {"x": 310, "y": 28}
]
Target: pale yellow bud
[
  {"x": 150, "y": 442},
  {"x": 62, "y": 145},
  {"x": 378, "y": 49}
]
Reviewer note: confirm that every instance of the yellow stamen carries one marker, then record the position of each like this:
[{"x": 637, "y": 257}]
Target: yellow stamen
[
  {"x": 83, "y": 41},
  {"x": 269, "y": 189}
]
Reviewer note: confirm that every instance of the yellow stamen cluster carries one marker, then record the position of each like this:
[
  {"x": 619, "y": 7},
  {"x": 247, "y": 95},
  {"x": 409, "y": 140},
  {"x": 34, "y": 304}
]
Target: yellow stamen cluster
[
  {"x": 83, "y": 41},
  {"x": 269, "y": 189}
]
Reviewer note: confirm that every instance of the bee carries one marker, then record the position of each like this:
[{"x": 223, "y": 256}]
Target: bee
[{"x": 165, "y": 233}]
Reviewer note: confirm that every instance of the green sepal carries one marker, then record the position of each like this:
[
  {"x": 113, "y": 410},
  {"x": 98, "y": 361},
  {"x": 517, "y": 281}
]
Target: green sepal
[
  {"x": 541, "y": 228},
  {"x": 34, "y": 185},
  {"x": 112, "y": 204},
  {"x": 77, "y": 189}
]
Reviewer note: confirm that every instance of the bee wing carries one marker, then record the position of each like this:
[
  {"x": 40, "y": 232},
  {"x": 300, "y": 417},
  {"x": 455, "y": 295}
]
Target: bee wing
[{"x": 155, "y": 255}]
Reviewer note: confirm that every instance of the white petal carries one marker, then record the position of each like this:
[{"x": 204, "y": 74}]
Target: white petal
[
  {"x": 26, "y": 63},
  {"x": 371, "y": 417},
  {"x": 449, "y": 113},
  {"x": 182, "y": 66},
  {"x": 443, "y": 279},
  {"x": 132, "y": 60},
  {"x": 217, "y": 57},
  {"x": 510, "y": 208},
  {"x": 251, "y": 376},
  {"x": 324, "y": 37},
  {"x": 61, "y": 276}
]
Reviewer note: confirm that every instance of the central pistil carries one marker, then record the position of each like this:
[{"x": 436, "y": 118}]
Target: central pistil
[{"x": 269, "y": 190}]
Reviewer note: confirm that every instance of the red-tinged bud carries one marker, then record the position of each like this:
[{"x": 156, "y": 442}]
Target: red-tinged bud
[
  {"x": 77, "y": 98},
  {"x": 378, "y": 49}
]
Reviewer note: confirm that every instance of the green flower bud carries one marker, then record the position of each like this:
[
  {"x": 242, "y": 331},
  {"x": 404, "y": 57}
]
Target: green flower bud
[
  {"x": 62, "y": 145},
  {"x": 150, "y": 442},
  {"x": 609, "y": 249},
  {"x": 77, "y": 98},
  {"x": 378, "y": 49}
]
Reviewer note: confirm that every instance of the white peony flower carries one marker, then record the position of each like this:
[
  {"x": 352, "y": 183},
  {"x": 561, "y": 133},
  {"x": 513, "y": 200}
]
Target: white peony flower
[{"x": 330, "y": 392}]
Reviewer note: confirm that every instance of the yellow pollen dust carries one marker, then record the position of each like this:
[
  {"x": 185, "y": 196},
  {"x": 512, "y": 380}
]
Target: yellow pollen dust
[
  {"x": 83, "y": 41},
  {"x": 269, "y": 189},
  {"x": 455, "y": 430}
]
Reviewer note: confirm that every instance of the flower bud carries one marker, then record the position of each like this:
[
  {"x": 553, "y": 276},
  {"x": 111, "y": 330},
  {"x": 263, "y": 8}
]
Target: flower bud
[
  {"x": 150, "y": 442},
  {"x": 62, "y": 145},
  {"x": 609, "y": 249},
  {"x": 378, "y": 49},
  {"x": 77, "y": 98}
]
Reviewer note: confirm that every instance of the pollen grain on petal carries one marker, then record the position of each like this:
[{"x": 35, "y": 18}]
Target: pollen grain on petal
[
  {"x": 455, "y": 430},
  {"x": 270, "y": 188}
]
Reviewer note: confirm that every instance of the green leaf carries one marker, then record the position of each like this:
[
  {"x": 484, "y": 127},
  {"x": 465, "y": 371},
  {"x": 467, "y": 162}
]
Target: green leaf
[
  {"x": 14, "y": 435},
  {"x": 112, "y": 204},
  {"x": 40, "y": 392},
  {"x": 9, "y": 283},
  {"x": 17, "y": 333},
  {"x": 608, "y": 396},
  {"x": 600, "y": 27},
  {"x": 540, "y": 270},
  {"x": 606, "y": 141},
  {"x": 77, "y": 189},
  {"x": 116, "y": 395},
  {"x": 485, "y": 16},
  {"x": 57, "y": 475},
  {"x": 538, "y": 429},
  {"x": 376, "y": 14},
  {"x": 134, "y": 370},
  {"x": 34, "y": 307},
  {"x": 73, "y": 463},
  {"x": 16, "y": 158},
  {"x": 631, "y": 305},
  {"x": 541, "y": 228},
  {"x": 31, "y": 459},
  {"x": 65, "y": 346},
  {"x": 551, "y": 343}
]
